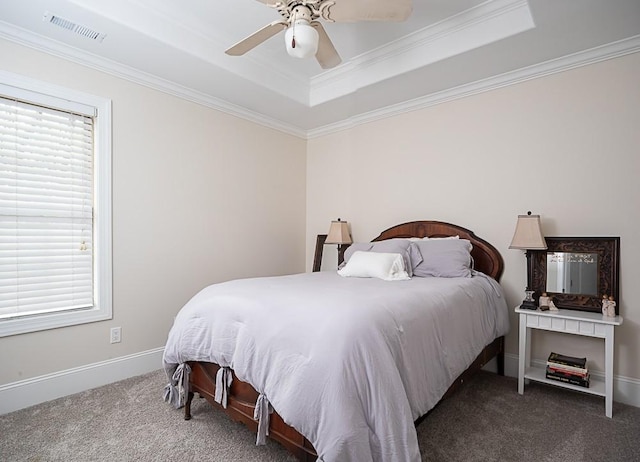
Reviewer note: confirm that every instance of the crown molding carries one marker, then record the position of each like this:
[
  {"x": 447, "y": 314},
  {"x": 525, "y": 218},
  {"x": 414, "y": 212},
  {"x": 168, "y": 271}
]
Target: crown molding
[
  {"x": 465, "y": 31},
  {"x": 61, "y": 50},
  {"x": 583, "y": 58},
  {"x": 152, "y": 20},
  {"x": 554, "y": 66}
]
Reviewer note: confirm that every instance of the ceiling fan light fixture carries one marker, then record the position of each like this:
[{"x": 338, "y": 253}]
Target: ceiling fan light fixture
[{"x": 301, "y": 40}]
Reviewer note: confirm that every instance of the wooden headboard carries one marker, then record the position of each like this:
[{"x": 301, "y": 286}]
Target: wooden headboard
[{"x": 486, "y": 257}]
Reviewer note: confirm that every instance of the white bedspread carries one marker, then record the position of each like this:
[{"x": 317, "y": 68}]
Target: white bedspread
[{"x": 350, "y": 363}]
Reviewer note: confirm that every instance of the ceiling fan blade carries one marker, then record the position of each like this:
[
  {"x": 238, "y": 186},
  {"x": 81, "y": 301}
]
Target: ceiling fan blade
[
  {"x": 256, "y": 38},
  {"x": 326, "y": 55},
  {"x": 367, "y": 10}
]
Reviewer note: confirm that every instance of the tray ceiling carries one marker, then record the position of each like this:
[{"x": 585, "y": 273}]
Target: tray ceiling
[{"x": 446, "y": 49}]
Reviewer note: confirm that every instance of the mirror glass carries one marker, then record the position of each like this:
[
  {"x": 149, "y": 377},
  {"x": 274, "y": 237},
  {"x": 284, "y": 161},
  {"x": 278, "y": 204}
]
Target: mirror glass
[{"x": 572, "y": 273}]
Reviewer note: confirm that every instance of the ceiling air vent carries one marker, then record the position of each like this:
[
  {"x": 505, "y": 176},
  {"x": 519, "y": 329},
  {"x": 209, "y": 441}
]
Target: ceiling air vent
[{"x": 73, "y": 27}]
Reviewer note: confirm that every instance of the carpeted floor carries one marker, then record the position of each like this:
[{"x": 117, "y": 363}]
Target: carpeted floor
[{"x": 486, "y": 420}]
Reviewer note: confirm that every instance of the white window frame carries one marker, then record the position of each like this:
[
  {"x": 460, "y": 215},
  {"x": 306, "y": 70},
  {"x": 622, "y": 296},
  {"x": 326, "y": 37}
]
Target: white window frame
[{"x": 38, "y": 92}]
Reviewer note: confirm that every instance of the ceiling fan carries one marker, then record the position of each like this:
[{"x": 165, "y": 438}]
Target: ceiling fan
[{"x": 306, "y": 37}]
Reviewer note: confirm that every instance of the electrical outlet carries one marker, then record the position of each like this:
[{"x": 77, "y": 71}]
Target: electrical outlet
[{"x": 116, "y": 334}]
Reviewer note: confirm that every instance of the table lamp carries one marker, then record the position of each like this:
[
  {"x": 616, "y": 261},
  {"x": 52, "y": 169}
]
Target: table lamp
[
  {"x": 339, "y": 234},
  {"x": 528, "y": 236}
]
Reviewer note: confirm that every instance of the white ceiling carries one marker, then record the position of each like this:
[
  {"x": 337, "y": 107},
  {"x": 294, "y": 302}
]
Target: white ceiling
[{"x": 446, "y": 49}]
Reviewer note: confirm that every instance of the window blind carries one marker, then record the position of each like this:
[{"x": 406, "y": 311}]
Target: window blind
[{"x": 46, "y": 204}]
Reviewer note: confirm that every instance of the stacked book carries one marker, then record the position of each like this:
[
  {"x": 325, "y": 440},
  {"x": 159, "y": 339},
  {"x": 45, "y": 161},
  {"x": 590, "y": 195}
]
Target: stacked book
[{"x": 568, "y": 369}]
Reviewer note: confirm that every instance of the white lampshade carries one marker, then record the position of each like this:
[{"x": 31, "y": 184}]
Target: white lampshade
[
  {"x": 528, "y": 234},
  {"x": 304, "y": 37},
  {"x": 339, "y": 233}
]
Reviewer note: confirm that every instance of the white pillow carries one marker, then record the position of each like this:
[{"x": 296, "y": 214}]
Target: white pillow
[
  {"x": 410, "y": 254},
  {"x": 386, "y": 266}
]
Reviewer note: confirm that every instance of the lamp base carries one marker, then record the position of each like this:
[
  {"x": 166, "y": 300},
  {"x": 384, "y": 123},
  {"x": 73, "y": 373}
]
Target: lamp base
[{"x": 528, "y": 305}]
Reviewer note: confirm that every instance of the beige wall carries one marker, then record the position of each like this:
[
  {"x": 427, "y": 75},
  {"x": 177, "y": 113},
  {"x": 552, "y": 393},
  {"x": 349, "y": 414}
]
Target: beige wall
[
  {"x": 564, "y": 146},
  {"x": 198, "y": 197}
]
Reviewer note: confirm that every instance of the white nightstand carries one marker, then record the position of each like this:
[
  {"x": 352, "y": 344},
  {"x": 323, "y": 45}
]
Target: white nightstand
[{"x": 569, "y": 322}]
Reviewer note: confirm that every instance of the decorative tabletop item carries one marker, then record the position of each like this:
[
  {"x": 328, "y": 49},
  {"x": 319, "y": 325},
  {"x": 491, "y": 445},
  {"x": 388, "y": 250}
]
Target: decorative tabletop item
[
  {"x": 544, "y": 302},
  {"x": 605, "y": 305},
  {"x": 611, "y": 308}
]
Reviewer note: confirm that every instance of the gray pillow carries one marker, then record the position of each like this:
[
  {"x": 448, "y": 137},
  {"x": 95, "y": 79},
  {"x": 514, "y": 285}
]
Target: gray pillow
[
  {"x": 411, "y": 255},
  {"x": 445, "y": 258},
  {"x": 363, "y": 246}
]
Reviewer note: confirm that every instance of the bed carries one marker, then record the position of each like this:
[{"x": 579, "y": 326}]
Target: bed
[{"x": 374, "y": 417}]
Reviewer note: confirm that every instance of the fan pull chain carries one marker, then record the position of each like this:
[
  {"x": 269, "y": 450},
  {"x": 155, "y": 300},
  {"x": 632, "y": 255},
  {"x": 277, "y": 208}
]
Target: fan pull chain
[{"x": 293, "y": 36}]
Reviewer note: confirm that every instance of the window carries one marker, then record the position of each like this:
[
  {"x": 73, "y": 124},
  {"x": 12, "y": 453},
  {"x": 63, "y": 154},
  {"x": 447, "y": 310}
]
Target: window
[{"x": 55, "y": 206}]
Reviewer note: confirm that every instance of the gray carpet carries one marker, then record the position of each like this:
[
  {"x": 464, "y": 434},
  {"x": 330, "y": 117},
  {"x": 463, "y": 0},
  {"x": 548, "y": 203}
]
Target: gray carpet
[{"x": 486, "y": 420}]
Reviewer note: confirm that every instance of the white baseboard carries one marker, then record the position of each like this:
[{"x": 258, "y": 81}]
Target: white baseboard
[
  {"x": 25, "y": 393},
  {"x": 625, "y": 389}
]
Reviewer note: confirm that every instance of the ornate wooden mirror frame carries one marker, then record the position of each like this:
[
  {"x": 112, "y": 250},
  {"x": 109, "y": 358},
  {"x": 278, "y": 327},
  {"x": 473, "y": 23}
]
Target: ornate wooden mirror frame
[
  {"x": 317, "y": 256},
  {"x": 607, "y": 248}
]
